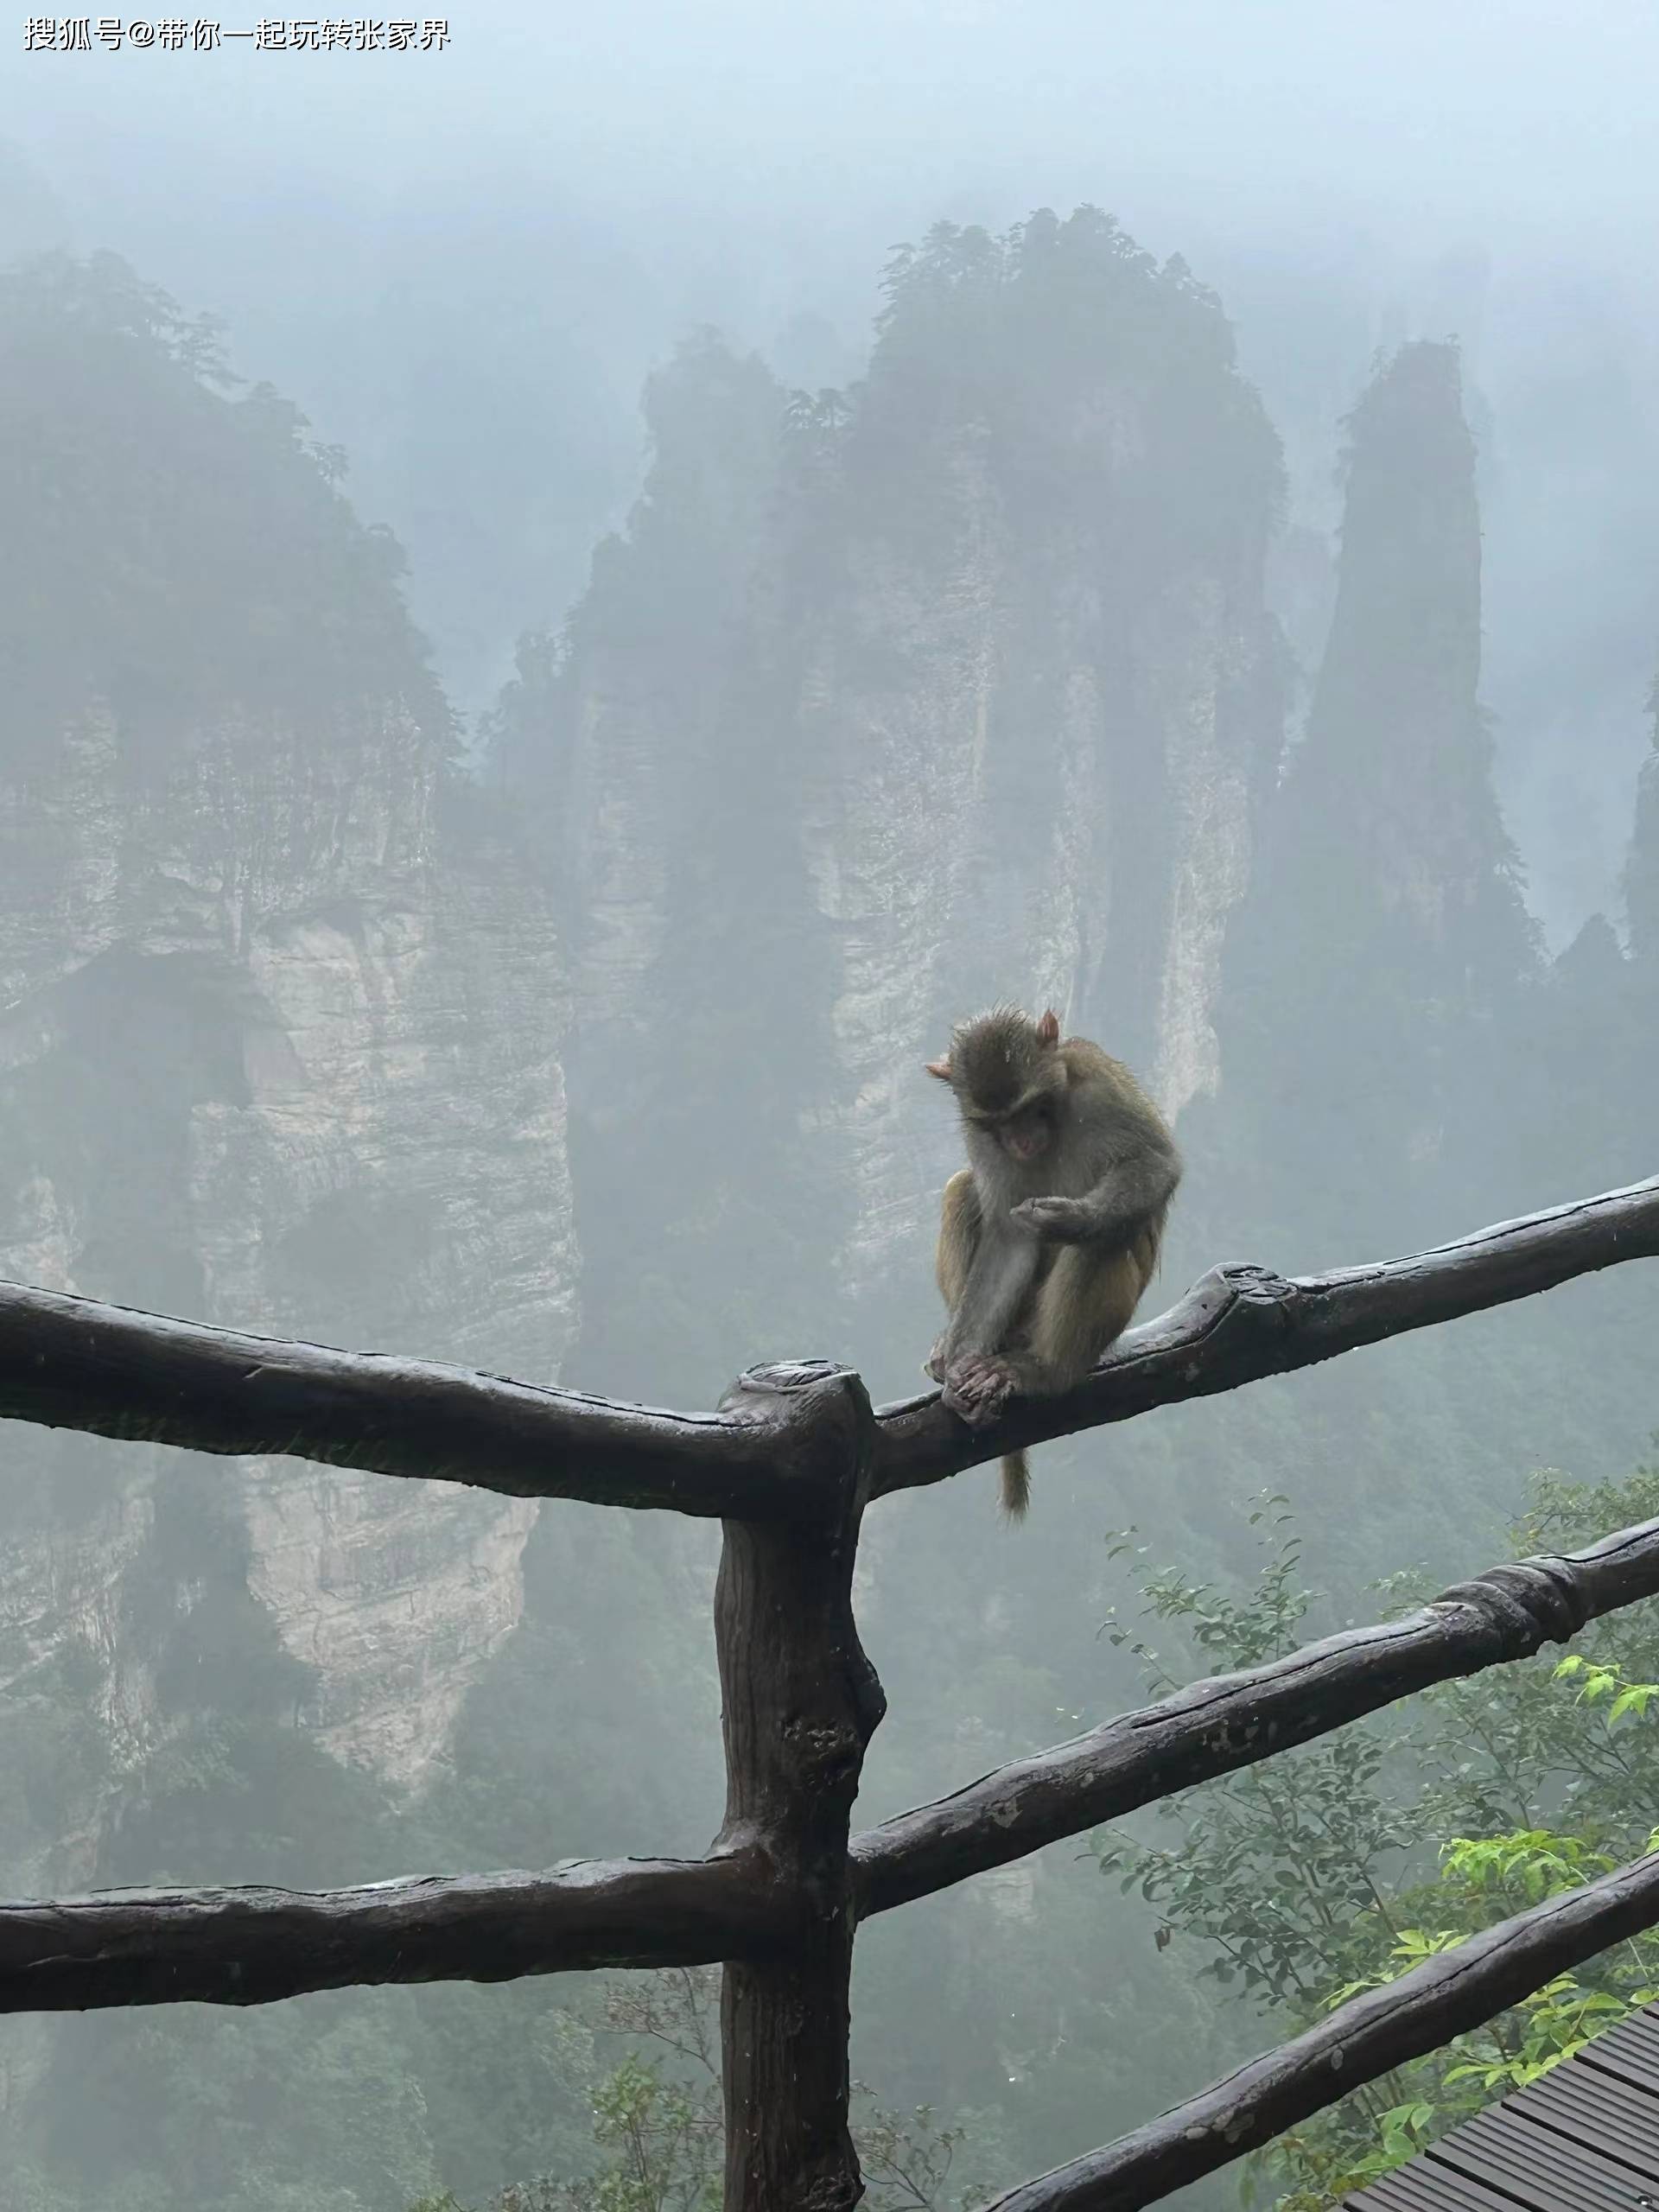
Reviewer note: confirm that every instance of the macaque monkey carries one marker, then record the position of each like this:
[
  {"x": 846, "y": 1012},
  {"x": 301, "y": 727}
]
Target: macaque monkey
[{"x": 1051, "y": 1232}]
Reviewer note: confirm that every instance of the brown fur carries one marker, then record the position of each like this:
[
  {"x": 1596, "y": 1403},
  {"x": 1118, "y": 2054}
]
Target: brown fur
[{"x": 1110, "y": 1140}]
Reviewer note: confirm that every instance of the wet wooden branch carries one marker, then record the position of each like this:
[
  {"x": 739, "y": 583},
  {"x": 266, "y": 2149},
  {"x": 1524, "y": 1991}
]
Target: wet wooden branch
[
  {"x": 71, "y": 1362},
  {"x": 1215, "y": 1726},
  {"x": 1240, "y": 1324},
  {"x": 252, "y": 1945},
  {"x": 1444, "y": 1997}
]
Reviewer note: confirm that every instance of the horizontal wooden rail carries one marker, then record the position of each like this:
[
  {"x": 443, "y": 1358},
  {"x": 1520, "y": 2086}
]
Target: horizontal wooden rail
[
  {"x": 1444, "y": 1997},
  {"x": 1215, "y": 1726},
  {"x": 73, "y": 1362},
  {"x": 1239, "y": 1325},
  {"x": 217, "y": 1946},
  {"x": 252, "y": 1945}
]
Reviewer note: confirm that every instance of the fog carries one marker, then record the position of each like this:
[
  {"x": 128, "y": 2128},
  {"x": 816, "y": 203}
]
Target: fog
[
  {"x": 695, "y": 547},
  {"x": 580, "y": 188}
]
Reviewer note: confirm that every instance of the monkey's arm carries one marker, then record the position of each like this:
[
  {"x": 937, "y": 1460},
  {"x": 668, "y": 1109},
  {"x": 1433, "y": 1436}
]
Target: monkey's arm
[
  {"x": 1135, "y": 1188},
  {"x": 958, "y": 1240},
  {"x": 1000, "y": 1280},
  {"x": 970, "y": 1360}
]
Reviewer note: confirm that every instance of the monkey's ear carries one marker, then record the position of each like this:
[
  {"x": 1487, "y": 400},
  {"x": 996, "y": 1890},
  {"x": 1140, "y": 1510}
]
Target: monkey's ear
[
  {"x": 1048, "y": 1029},
  {"x": 940, "y": 1068}
]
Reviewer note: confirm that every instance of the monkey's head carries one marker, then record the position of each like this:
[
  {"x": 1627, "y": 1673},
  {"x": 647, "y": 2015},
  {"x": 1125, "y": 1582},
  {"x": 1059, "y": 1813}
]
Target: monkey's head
[{"x": 1009, "y": 1079}]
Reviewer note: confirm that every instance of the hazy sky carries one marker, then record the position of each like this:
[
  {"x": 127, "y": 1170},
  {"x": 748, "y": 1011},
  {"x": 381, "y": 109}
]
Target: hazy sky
[
  {"x": 1423, "y": 115},
  {"x": 1345, "y": 171}
]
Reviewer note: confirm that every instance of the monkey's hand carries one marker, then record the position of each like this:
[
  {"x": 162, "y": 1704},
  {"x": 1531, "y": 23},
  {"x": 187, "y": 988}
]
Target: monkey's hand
[
  {"x": 1057, "y": 1220},
  {"x": 978, "y": 1387}
]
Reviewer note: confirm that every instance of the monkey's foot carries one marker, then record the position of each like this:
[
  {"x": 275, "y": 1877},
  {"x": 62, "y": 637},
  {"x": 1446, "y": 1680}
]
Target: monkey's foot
[
  {"x": 978, "y": 1388},
  {"x": 934, "y": 1365}
]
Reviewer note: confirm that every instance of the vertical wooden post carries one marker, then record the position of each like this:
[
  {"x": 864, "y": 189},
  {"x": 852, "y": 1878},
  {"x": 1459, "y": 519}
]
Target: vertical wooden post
[{"x": 800, "y": 1702}]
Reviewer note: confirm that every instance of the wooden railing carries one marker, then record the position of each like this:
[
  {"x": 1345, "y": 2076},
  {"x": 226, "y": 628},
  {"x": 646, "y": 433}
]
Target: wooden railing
[{"x": 789, "y": 1463}]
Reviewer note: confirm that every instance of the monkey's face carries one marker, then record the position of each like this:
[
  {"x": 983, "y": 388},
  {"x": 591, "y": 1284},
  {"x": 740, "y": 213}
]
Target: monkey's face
[
  {"x": 1010, "y": 1077},
  {"x": 1025, "y": 1135}
]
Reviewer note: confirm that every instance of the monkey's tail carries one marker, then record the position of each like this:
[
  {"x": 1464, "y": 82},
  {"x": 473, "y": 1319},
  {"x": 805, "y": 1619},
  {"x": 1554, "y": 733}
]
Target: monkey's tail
[{"x": 1016, "y": 1486}]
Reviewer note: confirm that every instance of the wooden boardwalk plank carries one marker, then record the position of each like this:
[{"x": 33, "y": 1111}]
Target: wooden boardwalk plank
[
  {"x": 1424, "y": 2187},
  {"x": 1583, "y": 2138},
  {"x": 1536, "y": 2168},
  {"x": 1630, "y": 2050},
  {"x": 1589, "y": 2106}
]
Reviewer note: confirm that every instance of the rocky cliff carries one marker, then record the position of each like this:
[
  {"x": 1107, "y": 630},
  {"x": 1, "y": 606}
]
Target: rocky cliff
[
  {"x": 280, "y": 1023},
  {"x": 1385, "y": 939},
  {"x": 1039, "y": 718},
  {"x": 280, "y": 1054},
  {"x": 991, "y": 707}
]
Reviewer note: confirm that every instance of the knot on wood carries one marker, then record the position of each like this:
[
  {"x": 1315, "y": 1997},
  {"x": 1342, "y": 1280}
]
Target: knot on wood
[
  {"x": 817, "y": 1415},
  {"x": 827, "y": 1753},
  {"x": 1256, "y": 1286},
  {"x": 1536, "y": 1601},
  {"x": 777, "y": 1378},
  {"x": 1244, "y": 1299}
]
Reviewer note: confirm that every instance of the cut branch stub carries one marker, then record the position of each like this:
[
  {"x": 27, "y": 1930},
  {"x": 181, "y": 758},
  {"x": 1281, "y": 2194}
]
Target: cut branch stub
[{"x": 800, "y": 1703}]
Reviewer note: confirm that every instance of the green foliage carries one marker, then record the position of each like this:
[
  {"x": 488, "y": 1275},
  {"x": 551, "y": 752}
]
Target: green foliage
[
  {"x": 1338, "y": 1867},
  {"x": 1278, "y": 1874}
]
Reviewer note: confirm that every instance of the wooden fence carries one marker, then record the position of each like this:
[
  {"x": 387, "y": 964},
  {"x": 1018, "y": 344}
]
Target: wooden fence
[{"x": 789, "y": 1464}]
